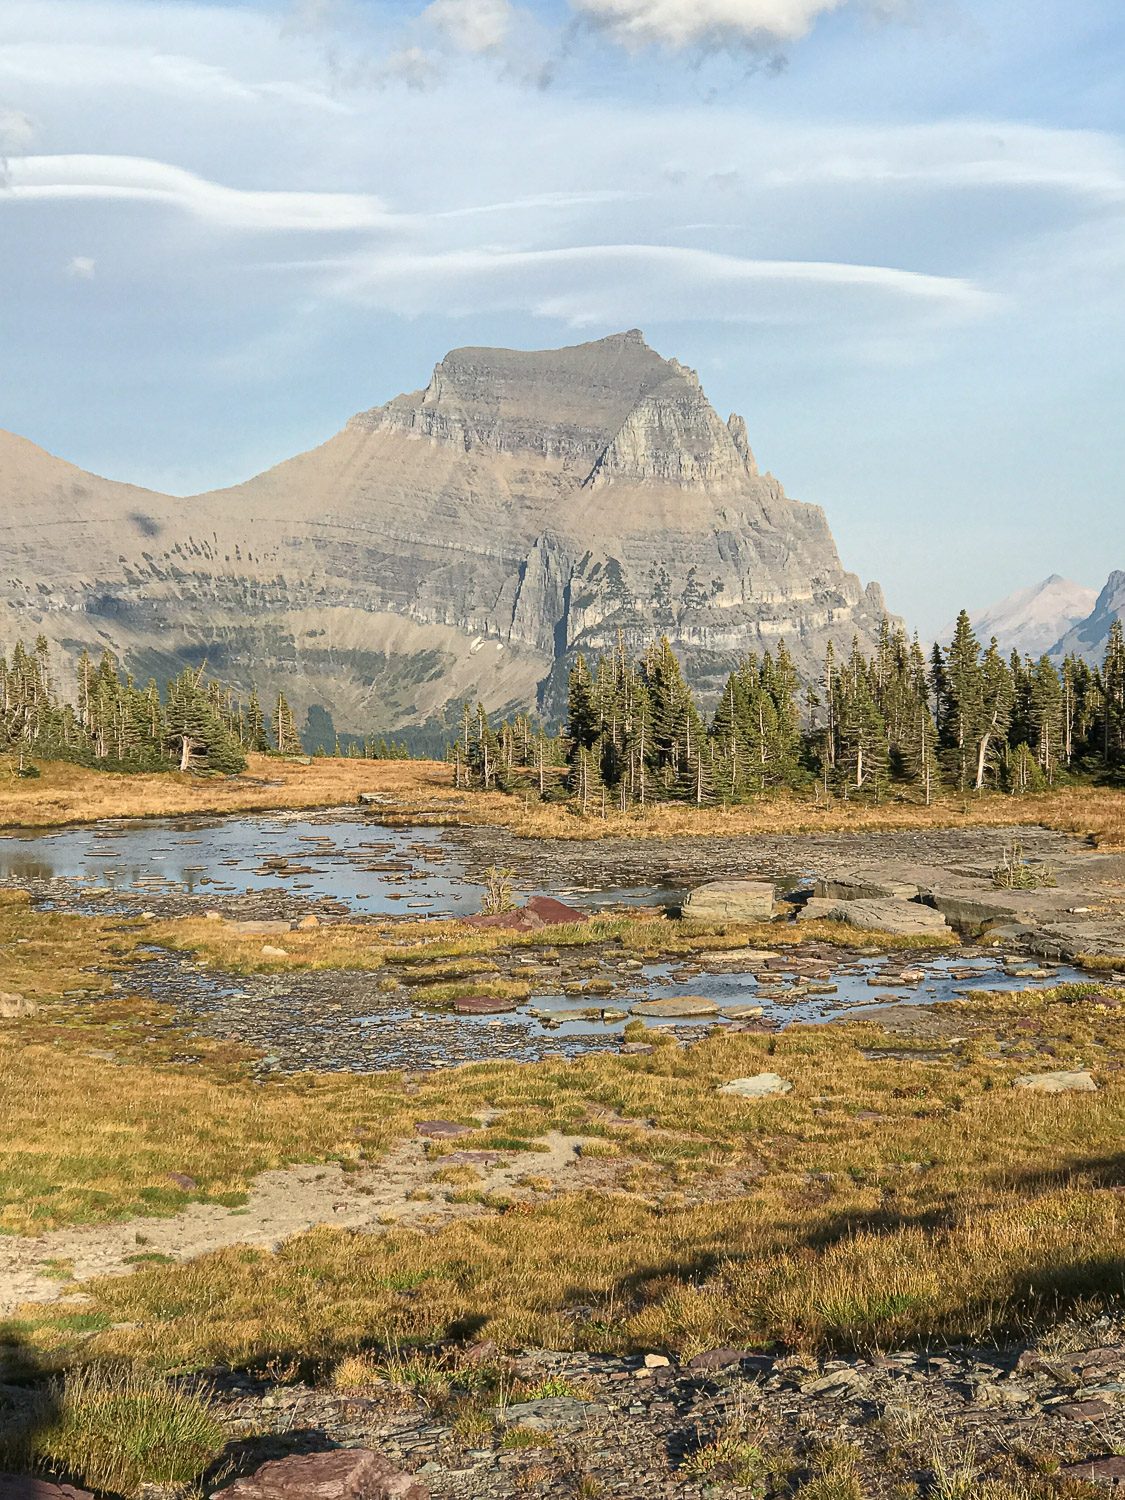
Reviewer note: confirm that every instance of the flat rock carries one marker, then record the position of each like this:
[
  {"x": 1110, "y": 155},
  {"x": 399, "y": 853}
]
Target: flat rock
[
  {"x": 347, "y": 1474},
  {"x": 1109, "y": 1469},
  {"x": 1082, "y": 1411},
  {"x": 761, "y": 1086},
  {"x": 730, "y": 901},
  {"x": 1060, "y": 1082},
  {"x": 24, "y": 1487},
  {"x": 13, "y": 1006},
  {"x": 683, "y": 1005},
  {"x": 548, "y": 1413},
  {"x": 742, "y": 1012},
  {"x": 903, "y": 918},
  {"x": 483, "y": 1005},
  {"x": 269, "y": 951},
  {"x": 442, "y": 1130},
  {"x": 710, "y": 1361}
]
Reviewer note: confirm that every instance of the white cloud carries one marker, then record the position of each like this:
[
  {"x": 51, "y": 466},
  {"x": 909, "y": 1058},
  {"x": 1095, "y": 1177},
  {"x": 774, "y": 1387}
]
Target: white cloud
[
  {"x": 129, "y": 178},
  {"x": 474, "y": 26},
  {"x": 688, "y": 23},
  {"x": 619, "y": 285},
  {"x": 81, "y": 268},
  {"x": 960, "y": 154}
]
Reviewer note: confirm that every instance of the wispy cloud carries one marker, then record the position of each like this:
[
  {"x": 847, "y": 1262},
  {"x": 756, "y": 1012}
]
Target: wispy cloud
[
  {"x": 137, "y": 179},
  {"x": 619, "y": 284},
  {"x": 81, "y": 268}
]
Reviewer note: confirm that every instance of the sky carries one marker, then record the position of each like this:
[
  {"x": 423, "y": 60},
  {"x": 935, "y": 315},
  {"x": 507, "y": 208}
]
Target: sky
[{"x": 890, "y": 233}]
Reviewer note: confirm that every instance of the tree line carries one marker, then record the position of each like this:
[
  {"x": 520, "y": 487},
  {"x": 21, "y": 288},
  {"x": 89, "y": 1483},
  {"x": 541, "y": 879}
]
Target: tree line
[
  {"x": 963, "y": 718},
  {"x": 110, "y": 721}
]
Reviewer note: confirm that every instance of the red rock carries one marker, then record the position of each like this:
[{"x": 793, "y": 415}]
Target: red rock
[
  {"x": 23, "y": 1487},
  {"x": 1082, "y": 1411},
  {"x": 482, "y": 1005},
  {"x": 350, "y": 1474},
  {"x": 1109, "y": 1469},
  {"x": 506, "y": 921},
  {"x": 553, "y": 913},
  {"x": 183, "y": 1181}
]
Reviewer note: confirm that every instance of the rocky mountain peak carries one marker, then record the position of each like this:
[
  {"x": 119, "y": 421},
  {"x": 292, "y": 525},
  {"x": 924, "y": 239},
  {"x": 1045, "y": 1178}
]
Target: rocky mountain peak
[{"x": 461, "y": 541}]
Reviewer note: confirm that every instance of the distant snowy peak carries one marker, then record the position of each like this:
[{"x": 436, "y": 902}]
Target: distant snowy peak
[
  {"x": 1031, "y": 621},
  {"x": 1088, "y": 637}
]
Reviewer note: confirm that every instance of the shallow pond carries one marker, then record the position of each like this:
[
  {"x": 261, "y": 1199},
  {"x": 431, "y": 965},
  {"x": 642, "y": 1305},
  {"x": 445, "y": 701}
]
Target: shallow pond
[
  {"x": 363, "y": 866},
  {"x": 337, "y": 863}
]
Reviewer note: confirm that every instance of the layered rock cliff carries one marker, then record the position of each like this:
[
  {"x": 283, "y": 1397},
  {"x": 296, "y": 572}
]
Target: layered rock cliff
[{"x": 467, "y": 539}]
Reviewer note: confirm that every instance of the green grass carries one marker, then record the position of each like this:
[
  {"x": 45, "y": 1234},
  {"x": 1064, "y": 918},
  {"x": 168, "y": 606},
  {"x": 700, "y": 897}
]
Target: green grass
[{"x": 115, "y": 1427}]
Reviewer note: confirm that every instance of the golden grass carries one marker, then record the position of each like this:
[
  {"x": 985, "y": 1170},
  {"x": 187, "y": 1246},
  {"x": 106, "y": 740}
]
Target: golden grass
[
  {"x": 445, "y": 949},
  {"x": 965, "y": 1210},
  {"x": 421, "y": 791},
  {"x": 1093, "y": 811},
  {"x": 65, "y": 793}
]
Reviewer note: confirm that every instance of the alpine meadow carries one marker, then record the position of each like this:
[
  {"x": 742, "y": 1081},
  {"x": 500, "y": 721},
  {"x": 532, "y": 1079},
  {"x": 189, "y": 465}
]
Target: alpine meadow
[{"x": 524, "y": 969}]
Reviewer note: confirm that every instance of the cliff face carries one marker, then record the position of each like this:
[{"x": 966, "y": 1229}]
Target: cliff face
[{"x": 467, "y": 539}]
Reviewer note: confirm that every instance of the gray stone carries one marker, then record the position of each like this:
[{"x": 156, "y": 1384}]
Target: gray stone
[
  {"x": 761, "y": 1086},
  {"x": 731, "y": 901},
  {"x": 682, "y": 1005},
  {"x": 903, "y": 918},
  {"x": 1060, "y": 1082},
  {"x": 547, "y": 1414}
]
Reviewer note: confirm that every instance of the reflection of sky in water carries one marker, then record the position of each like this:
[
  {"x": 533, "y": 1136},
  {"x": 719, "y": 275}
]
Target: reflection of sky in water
[
  {"x": 853, "y": 993},
  {"x": 335, "y": 858}
]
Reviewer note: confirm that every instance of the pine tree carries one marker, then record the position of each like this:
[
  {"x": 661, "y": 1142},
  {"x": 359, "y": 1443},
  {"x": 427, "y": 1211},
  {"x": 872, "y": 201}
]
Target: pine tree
[{"x": 285, "y": 728}]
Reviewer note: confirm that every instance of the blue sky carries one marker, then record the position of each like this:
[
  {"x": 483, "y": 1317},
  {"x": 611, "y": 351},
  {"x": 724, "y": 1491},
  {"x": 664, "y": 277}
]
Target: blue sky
[{"x": 891, "y": 233}]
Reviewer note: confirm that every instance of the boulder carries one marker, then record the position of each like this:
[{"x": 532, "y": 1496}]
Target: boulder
[
  {"x": 819, "y": 909},
  {"x": 903, "y": 918},
  {"x": 730, "y": 901},
  {"x": 306, "y": 924},
  {"x": 761, "y": 1086},
  {"x": 24, "y": 1487},
  {"x": 347, "y": 1474},
  {"x": 682, "y": 1005},
  {"x": 13, "y": 1006},
  {"x": 270, "y": 951},
  {"x": 1060, "y": 1082}
]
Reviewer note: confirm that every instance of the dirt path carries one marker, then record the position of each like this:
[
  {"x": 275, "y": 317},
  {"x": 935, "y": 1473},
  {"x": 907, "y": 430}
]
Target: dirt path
[{"x": 283, "y": 1203}]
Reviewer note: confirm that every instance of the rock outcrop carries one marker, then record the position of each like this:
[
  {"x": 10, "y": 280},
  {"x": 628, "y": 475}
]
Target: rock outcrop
[{"x": 468, "y": 539}]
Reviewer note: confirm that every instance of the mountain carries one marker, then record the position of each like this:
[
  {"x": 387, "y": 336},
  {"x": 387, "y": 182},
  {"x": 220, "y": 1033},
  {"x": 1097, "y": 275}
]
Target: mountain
[
  {"x": 1030, "y": 621},
  {"x": 1088, "y": 637},
  {"x": 466, "y": 540}
]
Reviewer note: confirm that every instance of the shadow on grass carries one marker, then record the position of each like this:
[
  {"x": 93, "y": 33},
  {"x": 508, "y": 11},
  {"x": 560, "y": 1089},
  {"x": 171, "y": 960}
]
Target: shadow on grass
[{"x": 28, "y": 1409}]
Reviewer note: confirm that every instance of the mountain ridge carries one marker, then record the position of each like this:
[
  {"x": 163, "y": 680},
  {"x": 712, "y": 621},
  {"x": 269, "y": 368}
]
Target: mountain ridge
[{"x": 467, "y": 538}]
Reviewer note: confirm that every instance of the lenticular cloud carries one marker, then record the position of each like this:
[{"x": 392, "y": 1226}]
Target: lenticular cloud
[{"x": 687, "y": 23}]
